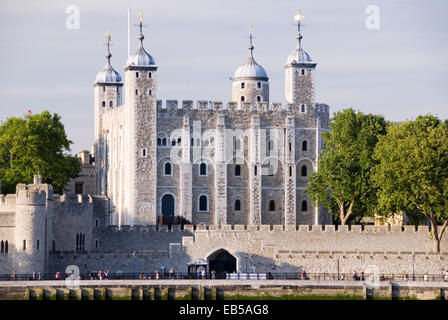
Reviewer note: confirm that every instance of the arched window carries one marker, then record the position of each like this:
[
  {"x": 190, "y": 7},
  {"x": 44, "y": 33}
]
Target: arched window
[
  {"x": 136, "y": 74},
  {"x": 150, "y": 92},
  {"x": 203, "y": 169},
  {"x": 255, "y": 170},
  {"x": 203, "y": 203},
  {"x": 136, "y": 92},
  {"x": 258, "y": 99},
  {"x": 2, "y": 247},
  {"x": 103, "y": 104},
  {"x": 179, "y": 140},
  {"x": 164, "y": 142},
  {"x": 159, "y": 141},
  {"x": 259, "y": 85},
  {"x": 304, "y": 145},
  {"x": 304, "y": 206},
  {"x": 104, "y": 89},
  {"x": 302, "y": 108},
  {"x": 303, "y": 72},
  {"x": 237, "y": 144},
  {"x": 192, "y": 142},
  {"x": 149, "y": 75},
  {"x": 272, "y": 205},
  {"x": 290, "y": 171},
  {"x": 243, "y": 85},
  {"x": 290, "y": 147},
  {"x": 237, "y": 170},
  {"x": 111, "y": 104},
  {"x": 144, "y": 152},
  {"x": 173, "y": 142},
  {"x": 237, "y": 205},
  {"x": 304, "y": 171},
  {"x": 167, "y": 170},
  {"x": 6, "y": 246},
  {"x": 242, "y": 98}
]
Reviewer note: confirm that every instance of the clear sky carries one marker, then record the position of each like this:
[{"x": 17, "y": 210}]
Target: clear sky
[{"x": 398, "y": 70}]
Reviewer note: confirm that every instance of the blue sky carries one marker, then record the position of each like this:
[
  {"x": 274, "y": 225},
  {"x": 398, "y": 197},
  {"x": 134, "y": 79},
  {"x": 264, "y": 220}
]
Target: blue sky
[{"x": 399, "y": 71}]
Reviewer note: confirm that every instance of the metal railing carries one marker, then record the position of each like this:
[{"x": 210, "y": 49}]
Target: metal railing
[{"x": 218, "y": 276}]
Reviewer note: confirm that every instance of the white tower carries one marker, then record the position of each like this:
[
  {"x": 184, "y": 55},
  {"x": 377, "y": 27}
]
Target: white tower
[
  {"x": 141, "y": 87},
  {"x": 299, "y": 77},
  {"x": 250, "y": 82},
  {"x": 108, "y": 86}
]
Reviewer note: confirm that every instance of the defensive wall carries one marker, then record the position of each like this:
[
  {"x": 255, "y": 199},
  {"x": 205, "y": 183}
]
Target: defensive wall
[
  {"x": 218, "y": 290},
  {"x": 317, "y": 249}
]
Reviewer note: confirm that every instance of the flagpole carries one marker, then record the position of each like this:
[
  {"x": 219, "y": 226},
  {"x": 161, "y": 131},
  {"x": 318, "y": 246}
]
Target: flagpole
[{"x": 129, "y": 32}]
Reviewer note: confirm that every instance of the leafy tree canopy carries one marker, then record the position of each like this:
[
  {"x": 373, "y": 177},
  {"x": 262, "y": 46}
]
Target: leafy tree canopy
[
  {"x": 412, "y": 174},
  {"x": 343, "y": 183},
  {"x": 35, "y": 143}
]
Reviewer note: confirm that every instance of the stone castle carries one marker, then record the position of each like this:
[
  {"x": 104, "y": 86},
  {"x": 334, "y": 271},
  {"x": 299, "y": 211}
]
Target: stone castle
[{"x": 172, "y": 183}]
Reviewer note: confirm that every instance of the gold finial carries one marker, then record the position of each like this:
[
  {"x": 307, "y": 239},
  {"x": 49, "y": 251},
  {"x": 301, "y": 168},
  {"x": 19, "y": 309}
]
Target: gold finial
[
  {"x": 298, "y": 16},
  {"x": 108, "y": 35},
  {"x": 140, "y": 15},
  {"x": 251, "y": 27}
]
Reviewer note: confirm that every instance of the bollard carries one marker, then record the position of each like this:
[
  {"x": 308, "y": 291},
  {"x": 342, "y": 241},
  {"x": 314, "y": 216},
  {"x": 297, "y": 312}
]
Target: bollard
[
  {"x": 157, "y": 294},
  {"x": 171, "y": 294},
  {"x": 207, "y": 294},
  {"x": 194, "y": 293},
  {"x": 219, "y": 294}
]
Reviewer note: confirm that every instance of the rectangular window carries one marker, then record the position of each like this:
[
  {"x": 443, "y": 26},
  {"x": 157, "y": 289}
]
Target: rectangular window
[
  {"x": 78, "y": 187},
  {"x": 96, "y": 243},
  {"x": 37, "y": 245},
  {"x": 24, "y": 245}
]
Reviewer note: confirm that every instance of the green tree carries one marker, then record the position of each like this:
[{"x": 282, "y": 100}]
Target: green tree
[
  {"x": 342, "y": 182},
  {"x": 412, "y": 174},
  {"x": 35, "y": 143}
]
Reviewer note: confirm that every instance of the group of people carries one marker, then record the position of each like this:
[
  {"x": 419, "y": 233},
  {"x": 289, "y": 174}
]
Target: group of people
[{"x": 99, "y": 275}]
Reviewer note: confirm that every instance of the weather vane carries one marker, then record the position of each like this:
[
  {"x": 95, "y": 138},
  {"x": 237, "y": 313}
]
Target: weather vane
[{"x": 298, "y": 16}]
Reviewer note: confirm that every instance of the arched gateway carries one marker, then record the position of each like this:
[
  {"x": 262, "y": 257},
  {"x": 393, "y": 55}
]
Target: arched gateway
[{"x": 222, "y": 262}]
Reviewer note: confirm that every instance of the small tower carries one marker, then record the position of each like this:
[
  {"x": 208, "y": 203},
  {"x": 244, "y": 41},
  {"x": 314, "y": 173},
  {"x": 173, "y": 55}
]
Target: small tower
[
  {"x": 250, "y": 82},
  {"x": 141, "y": 88},
  {"x": 299, "y": 83},
  {"x": 33, "y": 226},
  {"x": 108, "y": 86}
]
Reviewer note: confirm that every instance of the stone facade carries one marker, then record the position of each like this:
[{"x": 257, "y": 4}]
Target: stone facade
[{"x": 183, "y": 181}]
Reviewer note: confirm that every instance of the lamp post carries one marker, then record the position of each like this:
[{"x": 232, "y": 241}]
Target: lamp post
[
  {"x": 133, "y": 256},
  {"x": 413, "y": 273},
  {"x": 338, "y": 268}
]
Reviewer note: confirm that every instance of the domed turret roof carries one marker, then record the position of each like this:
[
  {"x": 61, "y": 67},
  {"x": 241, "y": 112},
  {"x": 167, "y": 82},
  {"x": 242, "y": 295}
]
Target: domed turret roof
[
  {"x": 251, "y": 69},
  {"x": 141, "y": 58},
  {"x": 108, "y": 74},
  {"x": 299, "y": 56}
]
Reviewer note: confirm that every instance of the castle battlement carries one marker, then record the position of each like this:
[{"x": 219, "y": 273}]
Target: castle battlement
[
  {"x": 33, "y": 194},
  {"x": 283, "y": 229},
  {"x": 231, "y": 106}
]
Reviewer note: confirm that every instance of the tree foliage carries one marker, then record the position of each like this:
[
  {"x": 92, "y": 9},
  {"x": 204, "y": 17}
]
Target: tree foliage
[
  {"x": 343, "y": 180},
  {"x": 35, "y": 143},
  {"x": 412, "y": 174}
]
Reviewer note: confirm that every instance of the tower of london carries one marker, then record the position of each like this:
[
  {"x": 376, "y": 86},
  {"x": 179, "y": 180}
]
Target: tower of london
[{"x": 171, "y": 182}]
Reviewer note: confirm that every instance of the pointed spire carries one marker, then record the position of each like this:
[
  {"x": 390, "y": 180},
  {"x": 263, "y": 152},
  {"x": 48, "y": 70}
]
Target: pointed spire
[
  {"x": 108, "y": 54},
  {"x": 251, "y": 46},
  {"x": 141, "y": 36},
  {"x": 298, "y": 18}
]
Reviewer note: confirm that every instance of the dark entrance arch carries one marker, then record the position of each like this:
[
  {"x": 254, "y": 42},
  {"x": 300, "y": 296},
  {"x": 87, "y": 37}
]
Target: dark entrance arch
[
  {"x": 167, "y": 209},
  {"x": 222, "y": 262}
]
